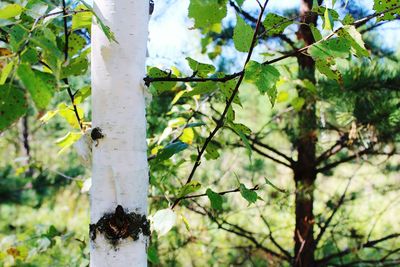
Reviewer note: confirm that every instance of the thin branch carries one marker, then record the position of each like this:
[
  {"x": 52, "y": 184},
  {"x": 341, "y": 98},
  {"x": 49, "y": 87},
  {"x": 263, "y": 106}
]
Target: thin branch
[
  {"x": 148, "y": 80},
  {"x": 284, "y": 251},
  {"x": 220, "y": 122},
  {"x": 255, "y": 188},
  {"x": 369, "y": 244},
  {"x": 328, "y": 221},
  {"x": 274, "y": 150},
  {"x": 66, "y": 48},
  {"x": 253, "y": 147},
  {"x": 239, "y": 231},
  {"x": 334, "y": 149},
  {"x": 344, "y": 160}
]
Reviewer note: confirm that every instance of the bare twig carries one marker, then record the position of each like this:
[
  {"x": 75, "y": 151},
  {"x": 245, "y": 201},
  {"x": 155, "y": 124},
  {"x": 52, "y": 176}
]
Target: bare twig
[
  {"x": 220, "y": 122},
  {"x": 66, "y": 47},
  {"x": 368, "y": 244}
]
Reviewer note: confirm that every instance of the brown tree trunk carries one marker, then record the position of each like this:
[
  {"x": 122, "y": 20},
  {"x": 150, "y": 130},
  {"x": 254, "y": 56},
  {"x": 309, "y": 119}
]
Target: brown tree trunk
[
  {"x": 305, "y": 169},
  {"x": 26, "y": 145}
]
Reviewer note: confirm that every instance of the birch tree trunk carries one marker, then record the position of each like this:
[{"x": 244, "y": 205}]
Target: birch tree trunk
[{"x": 120, "y": 170}]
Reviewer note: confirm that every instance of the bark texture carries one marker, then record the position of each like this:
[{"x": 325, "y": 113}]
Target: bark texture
[
  {"x": 120, "y": 170},
  {"x": 305, "y": 169}
]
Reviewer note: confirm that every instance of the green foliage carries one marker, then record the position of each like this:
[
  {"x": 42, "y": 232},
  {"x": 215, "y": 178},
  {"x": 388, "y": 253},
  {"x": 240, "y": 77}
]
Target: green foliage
[
  {"x": 242, "y": 35},
  {"x": 207, "y": 13},
  {"x": 160, "y": 87},
  {"x": 170, "y": 150},
  {"x": 275, "y": 24},
  {"x": 249, "y": 195},
  {"x": 264, "y": 77},
  {"x": 189, "y": 188},
  {"x": 215, "y": 199},
  {"x": 200, "y": 69},
  {"x": 10, "y": 11},
  {"x": 39, "y": 84},
  {"x": 12, "y": 105},
  {"x": 380, "y": 6}
]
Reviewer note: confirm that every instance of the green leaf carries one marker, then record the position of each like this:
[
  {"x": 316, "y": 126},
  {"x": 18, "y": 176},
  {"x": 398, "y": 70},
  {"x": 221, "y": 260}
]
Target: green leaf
[
  {"x": 249, "y": 195},
  {"x": 48, "y": 116},
  {"x": 5, "y": 72},
  {"x": 264, "y": 77},
  {"x": 106, "y": 30},
  {"x": 47, "y": 41},
  {"x": 170, "y": 150},
  {"x": 13, "y": 105},
  {"x": 206, "y": 13},
  {"x": 82, "y": 19},
  {"x": 160, "y": 87},
  {"x": 230, "y": 115},
  {"x": 240, "y": 2},
  {"x": 351, "y": 34},
  {"x": 328, "y": 70},
  {"x": 40, "y": 85},
  {"x": 18, "y": 35},
  {"x": 275, "y": 24},
  {"x": 297, "y": 103},
  {"x": 228, "y": 88},
  {"x": 348, "y": 19},
  {"x": 188, "y": 188},
  {"x": 315, "y": 32},
  {"x": 75, "y": 44},
  {"x": 320, "y": 10},
  {"x": 30, "y": 56},
  {"x": 68, "y": 113},
  {"x": 212, "y": 151},
  {"x": 36, "y": 9},
  {"x": 330, "y": 49},
  {"x": 82, "y": 94},
  {"x": 68, "y": 140},
  {"x": 201, "y": 89},
  {"x": 382, "y": 5},
  {"x": 242, "y": 35},
  {"x": 268, "y": 182},
  {"x": 77, "y": 66},
  {"x": 185, "y": 221},
  {"x": 152, "y": 255},
  {"x": 328, "y": 20},
  {"x": 242, "y": 130},
  {"x": 201, "y": 69},
  {"x": 10, "y": 11},
  {"x": 215, "y": 199},
  {"x": 187, "y": 136}
]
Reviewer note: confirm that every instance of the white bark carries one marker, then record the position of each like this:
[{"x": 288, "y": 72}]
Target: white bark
[{"x": 120, "y": 170}]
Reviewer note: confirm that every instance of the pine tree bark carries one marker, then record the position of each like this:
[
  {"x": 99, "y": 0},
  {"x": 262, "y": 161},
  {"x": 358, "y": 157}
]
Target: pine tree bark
[
  {"x": 305, "y": 169},
  {"x": 120, "y": 170}
]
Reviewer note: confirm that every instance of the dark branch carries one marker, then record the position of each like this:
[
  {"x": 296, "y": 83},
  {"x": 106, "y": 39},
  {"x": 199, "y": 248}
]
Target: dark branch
[
  {"x": 66, "y": 48},
  {"x": 220, "y": 122},
  {"x": 328, "y": 221},
  {"x": 274, "y": 150},
  {"x": 338, "y": 146},
  {"x": 148, "y": 80},
  {"x": 221, "y": 193},
  {"x": 287, "y": 253},
  {"x": 369, "y": 244}
]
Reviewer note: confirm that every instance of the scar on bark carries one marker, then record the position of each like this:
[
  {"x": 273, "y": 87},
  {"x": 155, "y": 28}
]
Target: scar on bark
[
  {"x": 96, "y": 134},
  {"x": 119, "y": 225}
]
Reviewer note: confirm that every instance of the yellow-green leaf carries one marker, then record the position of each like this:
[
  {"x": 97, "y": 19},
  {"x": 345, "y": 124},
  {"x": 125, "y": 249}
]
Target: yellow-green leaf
[{"x": 10, "y": 11}]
